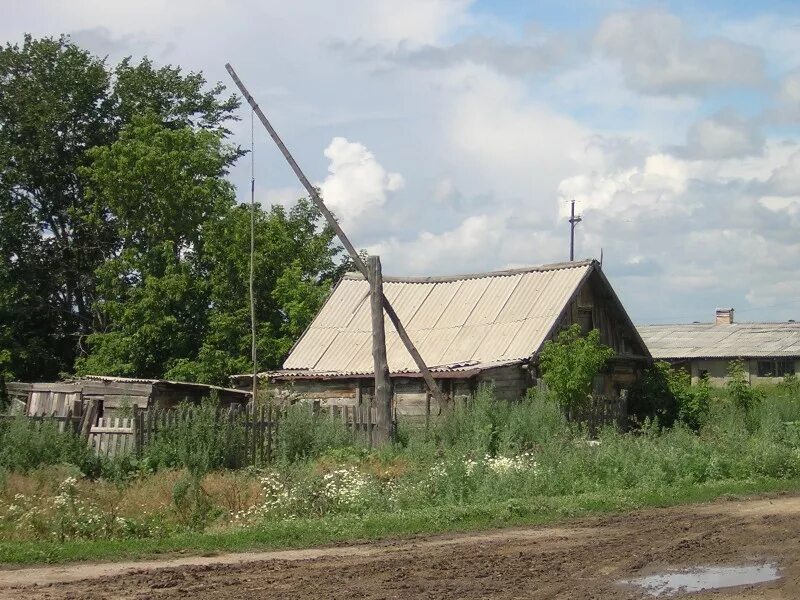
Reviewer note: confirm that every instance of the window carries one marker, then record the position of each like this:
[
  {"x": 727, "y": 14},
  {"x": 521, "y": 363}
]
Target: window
[{"x": 778, "y": 367}]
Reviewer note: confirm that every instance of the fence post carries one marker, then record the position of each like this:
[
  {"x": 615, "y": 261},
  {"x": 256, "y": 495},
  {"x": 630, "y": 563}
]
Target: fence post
[{"x": 137, "y": 430}]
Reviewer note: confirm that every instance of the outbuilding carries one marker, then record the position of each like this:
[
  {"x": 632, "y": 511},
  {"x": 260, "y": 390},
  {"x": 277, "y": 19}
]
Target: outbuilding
[
  {"x": 769, "y": 351},
  {"x": 114, "y": 396}
]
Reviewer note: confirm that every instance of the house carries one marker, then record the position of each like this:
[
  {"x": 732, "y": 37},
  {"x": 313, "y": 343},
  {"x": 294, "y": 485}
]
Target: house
[
  {"x": 769, "y": 350},
  {"x": 471, "y": 330},
  {"x": 113, "y": 394}
]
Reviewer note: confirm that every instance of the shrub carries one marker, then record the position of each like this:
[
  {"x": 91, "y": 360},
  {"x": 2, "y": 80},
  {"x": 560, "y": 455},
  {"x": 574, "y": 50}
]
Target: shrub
[
  {"x": 668, "y": 395},
  {"x": 302, "y": 434},
  {"x": 741, "y": 393},
  {"x": 198, "y": 440},
  {"x": 26, "y": 444},
  {"x": 570, "y": 363}
]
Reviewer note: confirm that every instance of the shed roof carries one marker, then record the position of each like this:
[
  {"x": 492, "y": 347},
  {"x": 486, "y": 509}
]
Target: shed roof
[
  {"x": 461, "y": 323},
  {"x": 184, "y": 385},
  {"x": 710, "y": 340}
]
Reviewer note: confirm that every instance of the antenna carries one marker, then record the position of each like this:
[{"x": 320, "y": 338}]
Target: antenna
[{"x": 573, "y": 220}]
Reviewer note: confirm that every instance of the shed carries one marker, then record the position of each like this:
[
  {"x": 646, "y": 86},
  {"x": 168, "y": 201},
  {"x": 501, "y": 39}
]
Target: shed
[
  {"x": 769, "y": 351},
  {"x": 114, "y": 394},
  {"x": 471, "y": 330}
]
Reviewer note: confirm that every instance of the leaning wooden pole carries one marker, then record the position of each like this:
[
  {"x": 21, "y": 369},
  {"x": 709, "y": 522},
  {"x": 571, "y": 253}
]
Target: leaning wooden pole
[
  {"x": 359, "y": 264},
  {"x": 383, "y": 384}
]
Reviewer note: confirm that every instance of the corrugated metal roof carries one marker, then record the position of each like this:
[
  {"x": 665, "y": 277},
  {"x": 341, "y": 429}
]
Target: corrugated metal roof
[
  {"x": 709, "y": 340},
  {"x": 462, "y": 369},
  {"x": 476, "y": 319}
]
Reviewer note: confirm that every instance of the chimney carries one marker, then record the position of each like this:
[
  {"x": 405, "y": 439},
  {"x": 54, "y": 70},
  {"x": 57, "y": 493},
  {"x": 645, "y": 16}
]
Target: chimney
[{"x": 724, "y": 316}]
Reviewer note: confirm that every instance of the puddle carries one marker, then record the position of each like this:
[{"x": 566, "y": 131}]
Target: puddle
[{"x": 704, "y": 578}]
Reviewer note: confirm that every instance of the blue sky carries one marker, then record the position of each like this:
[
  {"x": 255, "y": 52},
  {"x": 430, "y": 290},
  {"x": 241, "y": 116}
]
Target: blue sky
[{"x": 449, "y": 135}]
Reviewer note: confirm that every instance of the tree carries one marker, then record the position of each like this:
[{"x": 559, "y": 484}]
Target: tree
[
  {"x": 297, "y": 261},
  {"x": 152, "y": 294},
  {"x": 57, "y": 101},
  {"x": 570, "y": 363}
]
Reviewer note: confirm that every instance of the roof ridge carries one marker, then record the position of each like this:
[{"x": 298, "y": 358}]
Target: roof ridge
[
  {"x": 463, "y": 276},
  {"x": 712, "y": 324}
]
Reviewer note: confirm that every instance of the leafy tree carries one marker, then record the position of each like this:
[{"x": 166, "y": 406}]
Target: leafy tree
[
  {"x": 121, "y": 248},
  {"x": 296, "y": 263},
  {"x": 57, "y": 101},
  {"x": 570, "y": 363},
  {"x": 152, "y": 293}
]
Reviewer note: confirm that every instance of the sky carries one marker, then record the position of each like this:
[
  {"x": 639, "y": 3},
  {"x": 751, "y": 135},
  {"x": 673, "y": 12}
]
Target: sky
[{"x": 451, "y": 135}]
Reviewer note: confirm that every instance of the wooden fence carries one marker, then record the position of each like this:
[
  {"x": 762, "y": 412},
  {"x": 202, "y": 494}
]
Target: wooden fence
[
  {"x": 603, "y": 410},
  {"x": 252, "y": 431},
  {"x": 113, "y": 437},
  {"x": 64, "y": 422},
  {"x": 361, "y": 420}
]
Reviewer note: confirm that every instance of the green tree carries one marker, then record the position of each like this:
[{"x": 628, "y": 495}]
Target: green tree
[
  {"x": 297, "y": 261},
  {"x": 570, "y": 363},
  {"x": 153, "y": 293},
  {"x": 57, "y": 101}
]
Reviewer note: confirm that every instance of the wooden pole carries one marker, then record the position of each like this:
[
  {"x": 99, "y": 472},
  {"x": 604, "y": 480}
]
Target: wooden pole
[
  {"x": 383, "y": 383},
  {"x": 254, "y": 347},
  {"x": 334, "y": 224}
]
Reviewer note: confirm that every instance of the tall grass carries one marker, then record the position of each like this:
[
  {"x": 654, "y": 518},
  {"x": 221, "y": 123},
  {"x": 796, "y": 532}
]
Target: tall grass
[
  {"x": 26, "y": 444},
  {"x": 514, "y": 456}
]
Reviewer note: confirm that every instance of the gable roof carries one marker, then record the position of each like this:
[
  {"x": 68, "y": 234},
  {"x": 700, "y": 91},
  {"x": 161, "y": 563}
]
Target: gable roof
[
  {"x": 709, "y": 340},
  {"x": 460, "y": 323}
]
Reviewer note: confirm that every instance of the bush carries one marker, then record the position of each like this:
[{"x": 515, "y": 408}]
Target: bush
[
  {"x": 302, "y": 434},
  {"x": 197, "y": 440},
  {"x": 743, "y": 396},
  {"x": 570, "y": 364},
  {"x": 26, "y": 444},
  {"x": 668, "y": 395}
]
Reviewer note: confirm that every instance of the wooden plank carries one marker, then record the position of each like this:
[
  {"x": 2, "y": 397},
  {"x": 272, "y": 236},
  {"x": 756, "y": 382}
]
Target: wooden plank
[{"x": 115, "y": 388}]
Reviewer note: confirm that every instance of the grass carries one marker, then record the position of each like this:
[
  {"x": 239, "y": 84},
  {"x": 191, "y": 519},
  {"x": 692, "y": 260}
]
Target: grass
[
  {"x": 305, "y": 533},
  {"x": 489, "y": 464}
]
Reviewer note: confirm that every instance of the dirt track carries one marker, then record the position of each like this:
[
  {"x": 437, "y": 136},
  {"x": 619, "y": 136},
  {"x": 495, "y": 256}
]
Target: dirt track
[{"x": 583, "y": 560}]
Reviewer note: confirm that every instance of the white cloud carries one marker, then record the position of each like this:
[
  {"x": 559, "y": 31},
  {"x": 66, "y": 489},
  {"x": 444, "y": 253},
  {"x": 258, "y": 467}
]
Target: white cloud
[
  {"x": 479, "y": 242},
  {"x": 659, "y": 56},
  {"x": 723, "y": 135},
  {"x": 785, "y": 179},
  {"x": 787, "y": 99},
  {"x": 514, "y": 146},
  {"x": 284, "y": 196},
  {"x": 446, "y": 191},
  {"x": 652, "y": 189},
  {"x": 357, "y": 184}
]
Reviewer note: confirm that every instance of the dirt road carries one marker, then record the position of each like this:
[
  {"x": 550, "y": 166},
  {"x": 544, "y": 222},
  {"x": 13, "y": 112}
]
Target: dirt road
[{"x": 585, "y": 560}]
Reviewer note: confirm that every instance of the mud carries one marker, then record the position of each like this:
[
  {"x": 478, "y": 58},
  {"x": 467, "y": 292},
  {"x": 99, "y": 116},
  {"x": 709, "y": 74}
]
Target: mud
[{"x": 585, "y": 559}]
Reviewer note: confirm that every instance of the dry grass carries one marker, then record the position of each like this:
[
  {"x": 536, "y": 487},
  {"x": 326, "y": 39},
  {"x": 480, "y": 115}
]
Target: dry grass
[{"x": 232, "y": 491}]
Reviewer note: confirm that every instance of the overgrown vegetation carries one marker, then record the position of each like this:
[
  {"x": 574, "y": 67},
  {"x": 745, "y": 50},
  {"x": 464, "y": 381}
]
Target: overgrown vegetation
[
  {"x": 488, "y": 461},
  {"x": 570, "y": 364}
]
